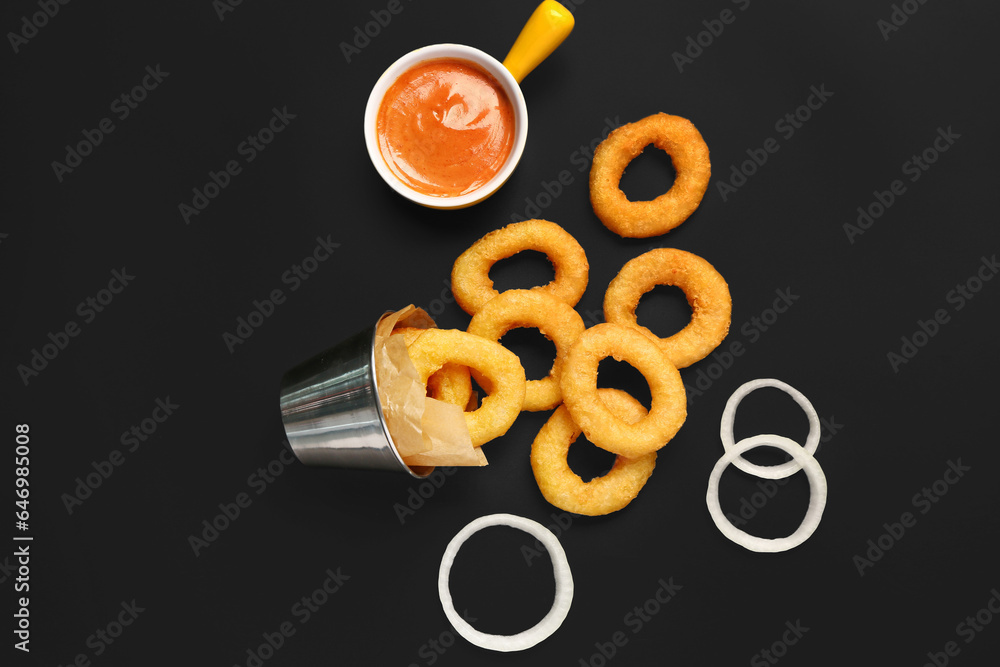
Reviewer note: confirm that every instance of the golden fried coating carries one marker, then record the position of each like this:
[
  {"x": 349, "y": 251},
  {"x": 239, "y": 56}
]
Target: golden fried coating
[
  {"x": 554, "y": 318},
  {"x": 579, "y": 387},
  {"x": 706, "y": 291},
  {"x": 470, "y": 279},
  {"x": 452, "y": 384},
  {"x": 641, "y": 219},
  {"x": 435, "y": 347},
  {"x": 564, "y": 488}
]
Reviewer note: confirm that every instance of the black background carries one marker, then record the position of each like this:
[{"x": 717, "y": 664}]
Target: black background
[{"x": 894, "y": 430}]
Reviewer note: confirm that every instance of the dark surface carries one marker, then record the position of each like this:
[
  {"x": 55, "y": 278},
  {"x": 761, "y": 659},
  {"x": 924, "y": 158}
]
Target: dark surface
[{"x": 893, "y": 431}]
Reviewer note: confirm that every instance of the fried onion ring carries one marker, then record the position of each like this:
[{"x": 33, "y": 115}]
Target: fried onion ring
[
  {"x": 452, "y": 384},
  {"x": 470, "y": 279},
  {"x": 705, "y": 289},
  {"x": 554, "y": 318},
  {"x": 435, "y": 347},
  {"x": 565, "y": 489},
  {"x": 601, "y": 426},
  {"x": 679, "y": 138}
]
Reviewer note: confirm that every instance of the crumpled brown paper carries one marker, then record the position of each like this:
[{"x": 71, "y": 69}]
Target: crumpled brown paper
[{"x": 425, "y": 431}]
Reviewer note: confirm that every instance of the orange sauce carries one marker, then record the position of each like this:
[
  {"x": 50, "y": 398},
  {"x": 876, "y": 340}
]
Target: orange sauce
[{"x": 445, "y": 127}]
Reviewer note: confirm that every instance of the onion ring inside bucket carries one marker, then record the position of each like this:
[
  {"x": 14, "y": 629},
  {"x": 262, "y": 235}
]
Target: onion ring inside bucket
[
  {"x": 817, "y": 495},
  {"x": 781, "y": 470},
  {"x": 560, "y": 571}
]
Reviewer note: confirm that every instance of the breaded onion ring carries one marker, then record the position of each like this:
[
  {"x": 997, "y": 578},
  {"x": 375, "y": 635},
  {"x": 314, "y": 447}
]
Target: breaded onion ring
[
  {"x": 706, "y": 291},
  {"x": 554, "y": 318},
  {"x": 452, "y": 384},
  {"x": 679, "y": 138},
  {"x": 602, "y": 427},
  {"x": 564, "y": 488},
  {"x": 436, "y": 347},
  {"x": 470, "y": 279}
]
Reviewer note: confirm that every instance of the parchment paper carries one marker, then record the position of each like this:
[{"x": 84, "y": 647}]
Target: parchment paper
[{"x": 426, "y": 432}]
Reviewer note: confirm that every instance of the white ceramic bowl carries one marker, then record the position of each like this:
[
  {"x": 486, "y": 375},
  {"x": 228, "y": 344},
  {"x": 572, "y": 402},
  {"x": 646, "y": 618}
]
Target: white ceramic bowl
[{"x": 495, "y": 68}]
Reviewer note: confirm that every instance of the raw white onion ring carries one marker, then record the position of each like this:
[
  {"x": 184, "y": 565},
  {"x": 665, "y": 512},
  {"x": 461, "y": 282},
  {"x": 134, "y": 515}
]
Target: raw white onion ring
[
  {"x": 817, "y": 495},
  {"x": 560, "y": 571},
  {"x": 781, "y": 470}
]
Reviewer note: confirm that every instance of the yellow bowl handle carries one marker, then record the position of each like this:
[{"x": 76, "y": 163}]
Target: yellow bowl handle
[{"x": 548, "y": 26}]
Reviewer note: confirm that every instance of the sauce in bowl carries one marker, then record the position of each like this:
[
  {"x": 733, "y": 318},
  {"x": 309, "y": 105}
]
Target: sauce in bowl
[{"x": 445, "y": 127}]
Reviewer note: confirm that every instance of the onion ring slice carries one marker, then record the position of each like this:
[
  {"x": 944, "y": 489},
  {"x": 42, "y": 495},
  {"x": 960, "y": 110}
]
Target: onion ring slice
[
  {"x": 817, "y": 495},
  {"x": 560, "y": 571},
  {"x": 781, "y": 470}
]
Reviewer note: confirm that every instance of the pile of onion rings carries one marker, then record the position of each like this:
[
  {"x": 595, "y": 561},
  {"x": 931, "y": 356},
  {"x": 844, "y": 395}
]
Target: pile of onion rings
[
  {"x": 802, "y": 459},
  {"x": 608, "y": 419},
  {"x": 680, "y": 139},
  {"x": 571, "y": 385}
]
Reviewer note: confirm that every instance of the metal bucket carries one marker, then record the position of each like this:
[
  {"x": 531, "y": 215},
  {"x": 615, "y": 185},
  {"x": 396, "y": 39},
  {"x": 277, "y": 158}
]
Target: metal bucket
[{"x": 332, "y": 414}]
